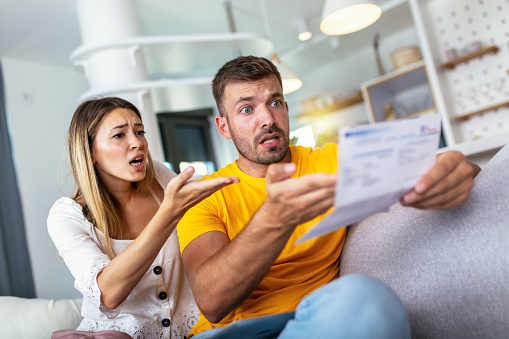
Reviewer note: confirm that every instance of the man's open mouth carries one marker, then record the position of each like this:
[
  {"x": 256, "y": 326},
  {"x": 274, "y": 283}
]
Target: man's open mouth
[{"x": 268, "y": 141}]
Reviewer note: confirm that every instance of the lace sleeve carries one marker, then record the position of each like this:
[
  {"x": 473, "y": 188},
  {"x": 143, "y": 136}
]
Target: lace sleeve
[{"x": 80, "y": 248}]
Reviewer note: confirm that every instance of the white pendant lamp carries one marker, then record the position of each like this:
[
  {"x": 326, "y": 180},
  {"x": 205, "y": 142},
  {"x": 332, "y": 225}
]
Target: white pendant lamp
[
  {"x": 348, "y": 16},
  {"x": 291, "y": 82},
  {"x": 304, "y": 32}
]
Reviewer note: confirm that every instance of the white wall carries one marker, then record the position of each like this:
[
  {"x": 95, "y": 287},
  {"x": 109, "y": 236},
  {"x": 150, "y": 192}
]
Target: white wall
[{"x": 40, "y": 102}]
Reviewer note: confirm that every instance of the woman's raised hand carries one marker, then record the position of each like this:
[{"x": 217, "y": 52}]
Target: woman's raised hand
[{"x": 182, "y": 194}]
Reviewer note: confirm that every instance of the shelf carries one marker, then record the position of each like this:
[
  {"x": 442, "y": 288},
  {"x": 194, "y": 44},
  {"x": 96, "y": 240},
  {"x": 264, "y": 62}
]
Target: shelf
[
  {"x": 480, "y": 146},
  {"x": 222, "y": 40},
  {"x": 339, "y": 105},
  {"x": 396, "y": 74},
  {"x": 467, "y": 116},
  {"x": 472, "y": 55},
  {"x": 141, "y": 86}
]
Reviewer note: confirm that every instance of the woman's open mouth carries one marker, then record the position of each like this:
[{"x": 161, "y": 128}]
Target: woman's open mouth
[{"x": 137, "y": 163}]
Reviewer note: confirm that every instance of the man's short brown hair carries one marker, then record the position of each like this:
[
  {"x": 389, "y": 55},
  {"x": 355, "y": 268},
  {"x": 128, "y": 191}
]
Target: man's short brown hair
[{"x": 243, "y": 68}]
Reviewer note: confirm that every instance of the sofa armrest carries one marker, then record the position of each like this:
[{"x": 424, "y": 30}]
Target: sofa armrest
[
  {"x": 37, "y": 318},
  {"x": 450, "y": 268}
]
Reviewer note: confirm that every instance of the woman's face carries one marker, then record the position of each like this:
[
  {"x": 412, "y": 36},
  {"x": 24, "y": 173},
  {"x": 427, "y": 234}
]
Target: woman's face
[{"x": 119, "y": 150}]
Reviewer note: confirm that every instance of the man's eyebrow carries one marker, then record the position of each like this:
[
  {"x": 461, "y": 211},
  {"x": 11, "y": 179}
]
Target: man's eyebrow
[{"x": 242, "y": 99}]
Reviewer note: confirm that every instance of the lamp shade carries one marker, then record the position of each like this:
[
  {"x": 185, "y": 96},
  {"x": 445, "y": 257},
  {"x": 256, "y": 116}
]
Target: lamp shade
[
  {"x": 304, "y": 32},
  {"x": 348, "y": 16},
  {"x": 291, "y": 82}
]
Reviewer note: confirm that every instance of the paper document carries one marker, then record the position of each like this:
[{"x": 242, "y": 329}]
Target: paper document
[{"x": 378, "y": 163}]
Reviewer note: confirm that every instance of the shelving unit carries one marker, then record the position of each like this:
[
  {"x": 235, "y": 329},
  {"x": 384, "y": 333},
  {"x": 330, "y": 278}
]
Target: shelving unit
[
  {"x": 451, "y": 64},
  {"x": 194, "y": 43},
  {"x": 470, "y": 91}
]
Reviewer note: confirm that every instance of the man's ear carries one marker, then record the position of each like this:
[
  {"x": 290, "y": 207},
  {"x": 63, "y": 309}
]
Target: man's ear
[{"x": 222, "y": 127}]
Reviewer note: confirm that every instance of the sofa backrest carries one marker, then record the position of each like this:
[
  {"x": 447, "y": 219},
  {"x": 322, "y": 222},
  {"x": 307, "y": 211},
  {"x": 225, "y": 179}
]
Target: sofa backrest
[{"x": 22, "y": 318}]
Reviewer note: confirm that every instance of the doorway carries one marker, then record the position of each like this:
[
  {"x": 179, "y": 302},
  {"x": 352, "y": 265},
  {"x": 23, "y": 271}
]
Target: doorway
[{"x": 186, "y": 141}]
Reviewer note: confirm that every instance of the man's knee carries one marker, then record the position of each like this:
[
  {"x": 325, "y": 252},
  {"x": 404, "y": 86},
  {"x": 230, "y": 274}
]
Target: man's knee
[{"x": 356, "y": 305}]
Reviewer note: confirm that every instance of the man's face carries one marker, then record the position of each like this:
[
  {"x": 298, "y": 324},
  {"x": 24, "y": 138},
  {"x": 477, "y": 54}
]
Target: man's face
[{"x": 257, "y": 121}]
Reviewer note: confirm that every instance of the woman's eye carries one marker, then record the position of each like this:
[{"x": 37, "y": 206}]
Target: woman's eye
[
  {"x": 118, "y": 136},
  {"x": 140, "y": 132},
  {"x": 246, "y": 110}
]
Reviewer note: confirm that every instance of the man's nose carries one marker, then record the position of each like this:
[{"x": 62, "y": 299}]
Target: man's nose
[{"x": 266, "y": 117}]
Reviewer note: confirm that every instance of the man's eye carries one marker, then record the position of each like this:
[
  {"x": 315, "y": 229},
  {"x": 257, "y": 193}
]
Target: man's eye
[
  {"x": 246, "y": 110},
  {"x": 276, "y": 103}
]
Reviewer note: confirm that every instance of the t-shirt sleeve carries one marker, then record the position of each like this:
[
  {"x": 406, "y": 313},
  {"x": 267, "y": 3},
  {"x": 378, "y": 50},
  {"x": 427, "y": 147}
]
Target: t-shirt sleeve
[
  {"x": 71, "y": 233},
  {"x": 204, "y": 217}
]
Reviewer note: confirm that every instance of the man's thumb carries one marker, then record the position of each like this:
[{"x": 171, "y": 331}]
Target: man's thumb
[{"x": 279, "y": 172}]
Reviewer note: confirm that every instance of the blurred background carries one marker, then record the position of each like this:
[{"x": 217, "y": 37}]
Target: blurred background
[{"x": 447, "y": 57}]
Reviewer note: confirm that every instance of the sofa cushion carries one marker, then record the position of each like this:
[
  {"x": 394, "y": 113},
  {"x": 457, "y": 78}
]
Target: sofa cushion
[
  {"x": 450, "y": 268},
  {"x": 37, "y": 318}
]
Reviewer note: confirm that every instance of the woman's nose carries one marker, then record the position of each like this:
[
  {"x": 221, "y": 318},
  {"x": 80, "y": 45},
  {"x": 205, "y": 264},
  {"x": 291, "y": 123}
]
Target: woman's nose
[{"x": 135, "y": 142}]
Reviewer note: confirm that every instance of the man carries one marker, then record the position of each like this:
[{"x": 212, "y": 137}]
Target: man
[{"x": 238, "y": 246}]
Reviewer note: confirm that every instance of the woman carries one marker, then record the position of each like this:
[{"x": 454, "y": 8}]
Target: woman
[{"x": 116, "y": 232}]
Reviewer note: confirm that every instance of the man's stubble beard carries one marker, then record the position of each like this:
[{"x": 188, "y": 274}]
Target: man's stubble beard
[{"x": 275, "y": 154}]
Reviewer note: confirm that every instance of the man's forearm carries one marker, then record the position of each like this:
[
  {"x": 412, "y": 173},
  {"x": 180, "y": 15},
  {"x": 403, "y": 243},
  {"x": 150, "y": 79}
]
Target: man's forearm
[{"x": 223, "y": 281}]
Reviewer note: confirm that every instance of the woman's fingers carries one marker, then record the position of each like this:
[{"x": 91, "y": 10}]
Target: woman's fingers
[
  {"x": 181, "y": 179},
  {"x": 204, "y": 188}
]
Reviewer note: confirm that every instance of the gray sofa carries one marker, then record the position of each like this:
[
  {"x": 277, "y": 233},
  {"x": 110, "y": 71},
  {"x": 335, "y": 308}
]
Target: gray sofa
[{"x": 451, "y": 267}]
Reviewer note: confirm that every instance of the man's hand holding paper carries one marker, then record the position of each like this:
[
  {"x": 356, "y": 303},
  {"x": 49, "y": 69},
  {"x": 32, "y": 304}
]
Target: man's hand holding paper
[
  {"x": 383, "y": 163},
  {"x": 446, "y": 185}
]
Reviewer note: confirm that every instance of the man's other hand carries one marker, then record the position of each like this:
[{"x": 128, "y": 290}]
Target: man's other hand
[{"x": 446, "y": 185}]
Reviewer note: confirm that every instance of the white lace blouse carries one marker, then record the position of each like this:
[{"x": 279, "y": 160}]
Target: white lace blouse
[{"x": 160, "y": 306}]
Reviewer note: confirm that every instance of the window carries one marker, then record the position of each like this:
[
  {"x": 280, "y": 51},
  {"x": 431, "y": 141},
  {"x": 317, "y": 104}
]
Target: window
[{"x": 186, "y": 141}]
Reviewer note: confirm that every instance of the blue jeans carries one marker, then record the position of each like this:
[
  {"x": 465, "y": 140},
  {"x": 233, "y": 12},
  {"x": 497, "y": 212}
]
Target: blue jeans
[{"x": 354, "y": 306}]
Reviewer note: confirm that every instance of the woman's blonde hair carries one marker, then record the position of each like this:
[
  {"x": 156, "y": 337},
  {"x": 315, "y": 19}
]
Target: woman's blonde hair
[{"x": 98, "y": 205}]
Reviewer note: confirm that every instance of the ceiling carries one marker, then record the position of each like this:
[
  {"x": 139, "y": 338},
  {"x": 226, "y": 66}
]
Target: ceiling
[{"x": 48, "y": 32}]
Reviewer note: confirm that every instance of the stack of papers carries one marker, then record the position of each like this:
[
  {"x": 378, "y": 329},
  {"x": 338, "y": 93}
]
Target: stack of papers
[{"x": 378, "y": 163}]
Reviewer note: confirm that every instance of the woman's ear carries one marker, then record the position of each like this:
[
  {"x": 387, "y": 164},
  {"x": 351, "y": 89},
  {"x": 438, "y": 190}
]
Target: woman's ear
[
  {"x": 222, "y": 127},
  {"x": 92, "y": 156}
]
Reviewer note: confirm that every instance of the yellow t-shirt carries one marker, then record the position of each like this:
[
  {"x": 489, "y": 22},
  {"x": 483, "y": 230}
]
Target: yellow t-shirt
[{"x": 299, "y": 269}]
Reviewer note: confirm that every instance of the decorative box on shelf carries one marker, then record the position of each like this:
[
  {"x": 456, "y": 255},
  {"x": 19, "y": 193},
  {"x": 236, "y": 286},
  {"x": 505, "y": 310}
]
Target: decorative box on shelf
[{"x": 403, "y": 93}]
